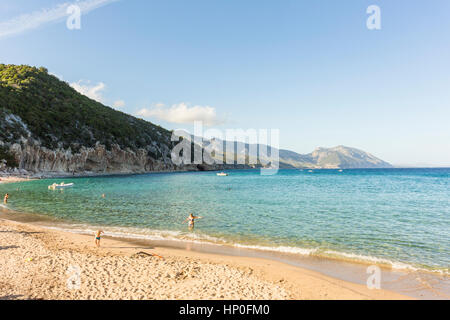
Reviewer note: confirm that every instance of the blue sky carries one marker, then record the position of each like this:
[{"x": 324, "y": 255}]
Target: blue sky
[{"x": 309, "y": 68}]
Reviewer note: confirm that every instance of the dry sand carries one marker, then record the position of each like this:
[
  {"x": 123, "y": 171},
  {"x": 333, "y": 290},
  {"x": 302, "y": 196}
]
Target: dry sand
[
  {"x": 11, "y": 179},
  {"x": 38, "y": 263}
]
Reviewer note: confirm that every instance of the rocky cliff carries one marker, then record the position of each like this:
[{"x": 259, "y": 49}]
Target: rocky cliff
[{"x": 35, "y": 158}]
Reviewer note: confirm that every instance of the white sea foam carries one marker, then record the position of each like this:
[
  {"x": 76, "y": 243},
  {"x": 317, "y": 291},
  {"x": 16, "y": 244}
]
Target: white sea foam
[
  {"x": 139, "y": 234},
  {"x": 283, "y": 249},
  {"x": 169, "y": 235},
  {"x": 370, "y": 259}
]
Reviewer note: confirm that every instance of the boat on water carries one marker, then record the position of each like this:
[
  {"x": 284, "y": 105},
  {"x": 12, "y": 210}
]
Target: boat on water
[
  {"x": 222, "y": 174},
  {"x": 60, "y": 186},
  {"x": 341, "y": 170}
]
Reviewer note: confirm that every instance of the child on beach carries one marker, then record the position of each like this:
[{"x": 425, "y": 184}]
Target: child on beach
[
  {"x": 98, "y": 237},
  {"x": 5, "y": 199},
  {"x": 191, "y": 219}
]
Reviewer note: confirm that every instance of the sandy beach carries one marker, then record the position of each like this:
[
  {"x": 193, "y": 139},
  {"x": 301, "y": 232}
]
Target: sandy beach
[
  {"x": 12, "y": 179},
  {"x": 38, "y": 263}
]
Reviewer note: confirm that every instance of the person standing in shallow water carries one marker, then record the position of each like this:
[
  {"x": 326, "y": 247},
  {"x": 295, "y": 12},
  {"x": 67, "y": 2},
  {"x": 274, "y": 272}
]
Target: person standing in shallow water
[
  {"x": 5, "y": 199},
  {"x": 190, "y": 220}
]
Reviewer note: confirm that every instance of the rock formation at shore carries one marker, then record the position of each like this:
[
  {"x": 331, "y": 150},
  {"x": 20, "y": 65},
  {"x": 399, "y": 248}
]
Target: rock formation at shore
[{"x": 33, "y": 158}]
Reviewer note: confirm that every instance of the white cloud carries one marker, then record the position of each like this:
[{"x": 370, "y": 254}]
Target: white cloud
[
  {"x": 30, "y": 21},
  {"x": 95, "y": 92},
  {"x": 119, "y": 104},
  {"x": 182, "y": 113}
]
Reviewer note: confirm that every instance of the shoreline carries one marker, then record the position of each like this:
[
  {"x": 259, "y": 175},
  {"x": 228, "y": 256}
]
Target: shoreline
[
  {"x": 399, "y": 284},
  {"x": 264, "y": 278},
  {"x": 167, "y": 238},
  {"x": 413, "y": 284},
  {"x": 24, "y": 175},
  {"x": 20, "y": 177},
  {"x": 14, "y": 179}
]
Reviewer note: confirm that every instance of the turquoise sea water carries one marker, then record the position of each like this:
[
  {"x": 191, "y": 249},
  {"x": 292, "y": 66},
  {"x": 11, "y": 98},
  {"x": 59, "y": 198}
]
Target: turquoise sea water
[{"x": 396, "y": 216}]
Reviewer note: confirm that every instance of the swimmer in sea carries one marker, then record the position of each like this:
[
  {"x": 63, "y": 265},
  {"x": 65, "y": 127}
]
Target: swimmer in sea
[
  {"x": 98, "y": 237},
  {"x": 190, "y": 220},
  {"x": 5, "y": 199}
]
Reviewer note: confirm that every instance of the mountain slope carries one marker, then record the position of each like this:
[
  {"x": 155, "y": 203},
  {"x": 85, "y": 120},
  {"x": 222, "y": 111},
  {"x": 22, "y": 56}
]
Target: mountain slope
[
  {"x": 345, "y": 157},
  {"x": 339, "y": 157},
  {"x": 59, "y": 116}
]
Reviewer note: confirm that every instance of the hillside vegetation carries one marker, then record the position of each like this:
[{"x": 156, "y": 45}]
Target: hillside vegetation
[{"x": 58, "y": 116}]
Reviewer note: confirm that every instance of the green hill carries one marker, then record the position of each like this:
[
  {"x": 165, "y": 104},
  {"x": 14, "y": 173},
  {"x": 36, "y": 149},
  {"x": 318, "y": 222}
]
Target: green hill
[
  {"x": 41, "y": 108},
  {"x": 57, "y": 114}
]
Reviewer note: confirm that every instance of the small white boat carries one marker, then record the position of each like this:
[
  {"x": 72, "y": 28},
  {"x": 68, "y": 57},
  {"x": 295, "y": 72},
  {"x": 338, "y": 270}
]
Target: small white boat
[
  {"x": 60, "y": 186},
  {"x": 222, "y": 174},
  {"x": 341, "y": 170}
]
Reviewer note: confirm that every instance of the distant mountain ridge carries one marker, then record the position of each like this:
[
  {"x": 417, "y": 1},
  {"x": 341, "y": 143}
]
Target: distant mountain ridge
[
  {"x": 343, "y": 157},
  {"x": 340, "y": 157}
]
